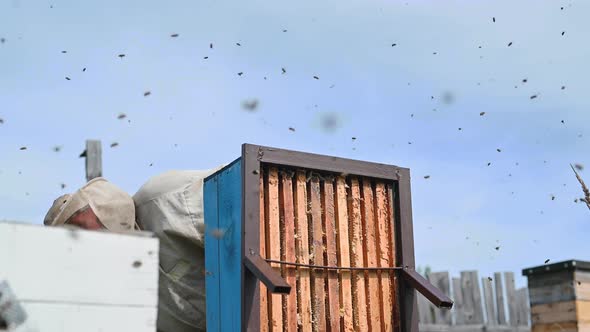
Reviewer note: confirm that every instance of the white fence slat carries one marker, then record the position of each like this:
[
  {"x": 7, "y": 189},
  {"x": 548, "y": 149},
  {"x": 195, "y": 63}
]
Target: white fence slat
[
  {"x": 511, "y": 297},
  {"x": 441, "y": 281},
  {"x": 489, "y": 301},
  {"x": 473, "y": 312},
  {"x": 458, "y": 302},
  {"x": 500, "y": 307}
]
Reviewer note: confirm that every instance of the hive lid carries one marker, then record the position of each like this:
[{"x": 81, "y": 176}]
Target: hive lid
[{"x": 569, "y": 265}]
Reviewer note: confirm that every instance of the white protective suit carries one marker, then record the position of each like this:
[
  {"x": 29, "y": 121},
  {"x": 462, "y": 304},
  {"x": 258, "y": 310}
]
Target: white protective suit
[{"x": 171, "y": 206}]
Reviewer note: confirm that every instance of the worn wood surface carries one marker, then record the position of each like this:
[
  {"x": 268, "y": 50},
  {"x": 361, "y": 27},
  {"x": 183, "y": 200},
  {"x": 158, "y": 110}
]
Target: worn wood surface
[
  {"x": 471, "y": 328},
  {"x": 371, "y": 241},
  {"x": 121, "y": 269},
  {"x": 264, "y": 321},
  {"x": 93, "y": 159},
  {"x": 458, "y": 306},
  {"x": 473, "y": 313},
  {"x": 393, "y": 219},
  {"x": 468, "y": 300},
  {"x": 522, "y": 307},
  {"x": 441, "y": 281},
  {"x": 344, "y": 253},
  {"x": 385, "y": 252},
  {"x": 556, "y": 327},
  {"x": 559, "y": 312},
  {"x": 318, "y": 250},
  {"x": 500, "y": 307},
  {"x": 288, "y": 252},
  {"x": 582, "y": 285},
  {"x": 583, "y": 312},
  {"x": 492, "y": 318},
  {"x": 326, "y": 219},
  {"x": 331, "y": 255},
  {"x": 511, "y": 297},
  {"x": 552, "y": 287},
  {"x": 304, "y": 295},
  {"x": 357, "y": 257},
  {"x": 274, "y": 244}
]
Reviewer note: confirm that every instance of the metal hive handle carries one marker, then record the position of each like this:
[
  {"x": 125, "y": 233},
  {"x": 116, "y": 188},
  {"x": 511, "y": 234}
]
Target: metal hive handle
[
  {"x": 423, "y": 286},
  {"x": 265, "y": 273}
]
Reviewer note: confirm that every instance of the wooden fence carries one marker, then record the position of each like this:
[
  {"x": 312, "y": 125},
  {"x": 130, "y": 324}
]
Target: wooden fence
[{"x": 479, "y": 306}]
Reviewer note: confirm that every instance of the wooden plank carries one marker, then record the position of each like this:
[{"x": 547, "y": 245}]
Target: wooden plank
[
  {"x": 458, "y": 310},
  {"x": 357, "y": 256},
  {"x": 550, "y": 279},
  {"x": 344, "y": 254},
  {"x": 385, "y": 252},
  {"x": 304, "y": 290},
  {"x": 122, "y": 269},
  {"x": 527, "y": 307},
  {"x": 555, "y": 327},
  {"x": 552, "y": 294},
  {"x": 500, "y": 307},
  {"x": 552, "y": 287},
  {"x": 583, "y": 312},
  {"x": 392, "y": 216},
  {"x": 441, "y": 281},
  {"x": 288, "y": 245},
  {"x": 471, "y": 328},
  {"x": 559, "y": 312},
  {"x": 371, "y": 240},
  {"x": 425, "y": 314},
  {"x": 264, "y": 321},
  {"x": 93, "y": 159},
  {"x": 471, "y": 297},
  {"x": 67, "y": 317},
  {"x": 274, "y": 244},
  {"x": 230, "y": 246},
  {"x": 317, "y": 238},
  {"x": 582, "y": 285},
  {"x": 511, "y": 297},
  {"x": 522, "y": 312},
  {"x": 331, "y": 254},
  {"x": 212, "y": 287},
  {"x": 492, "y": 318}
]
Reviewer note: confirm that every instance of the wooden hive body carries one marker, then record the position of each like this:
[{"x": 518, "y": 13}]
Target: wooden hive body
[
  {"x": 290, "y": 209},
  {"x": 559, "y": 295},
  {"x": 72, "y": 280}
]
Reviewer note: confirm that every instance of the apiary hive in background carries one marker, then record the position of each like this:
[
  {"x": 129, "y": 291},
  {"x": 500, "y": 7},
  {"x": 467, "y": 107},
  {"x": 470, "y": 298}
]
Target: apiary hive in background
[
  {"x": 559, "y": 294},
  {"x": 326, "y": 236}
]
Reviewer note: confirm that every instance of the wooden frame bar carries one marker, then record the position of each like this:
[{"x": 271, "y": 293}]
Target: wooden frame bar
[{"x": 252, "y": 158}]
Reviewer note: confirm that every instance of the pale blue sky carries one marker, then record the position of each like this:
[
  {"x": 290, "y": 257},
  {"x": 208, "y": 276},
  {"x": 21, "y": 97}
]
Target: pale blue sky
[{"x": 461, "y": 212}]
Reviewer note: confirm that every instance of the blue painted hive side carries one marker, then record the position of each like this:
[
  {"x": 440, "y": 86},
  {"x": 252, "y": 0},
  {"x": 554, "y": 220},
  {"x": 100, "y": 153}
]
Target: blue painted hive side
[{"x": 223, "y": 248}]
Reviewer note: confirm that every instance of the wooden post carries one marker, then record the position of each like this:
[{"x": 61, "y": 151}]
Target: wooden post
[
  {"x": 500, "y": 308},
  {"x": 458, "y": 299},
  {"x": 441, "y": 281},
  {"x": 93, "y": 159},
  {"x": 471, "y": 297},
  {"x": 489, "y": 301},
  {"x": 511, "y": 297}
]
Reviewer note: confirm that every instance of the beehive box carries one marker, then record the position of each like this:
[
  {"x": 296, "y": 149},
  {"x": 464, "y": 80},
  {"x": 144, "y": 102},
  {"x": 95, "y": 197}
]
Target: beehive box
[
  {"x": 330, "y": 239},
  {"x": 54, "y": 279},
  {"x": 560, "y": 296}
]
